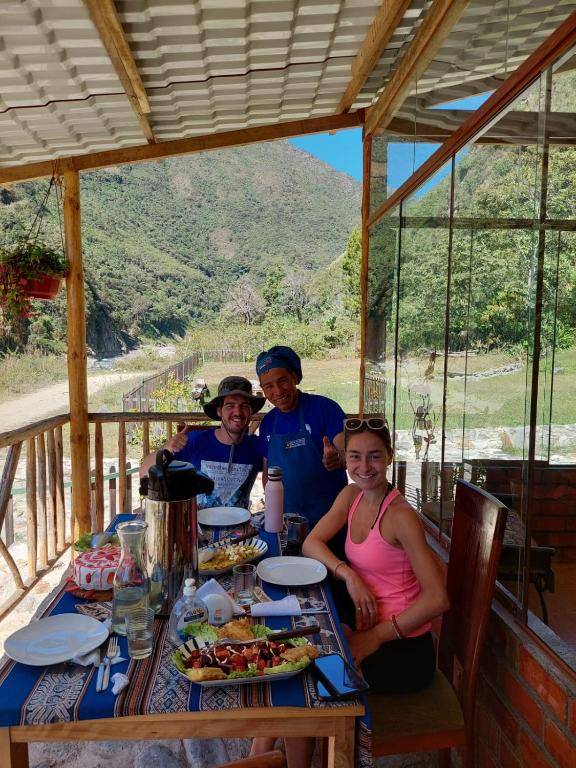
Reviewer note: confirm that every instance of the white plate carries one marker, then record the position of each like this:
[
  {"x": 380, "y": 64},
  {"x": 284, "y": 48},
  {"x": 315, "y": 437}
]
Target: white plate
[
  {"x": 55, "y": 639},
  {"x": 223, "y": 516},
  {"x": 291, "y": 571},
  {"x": 260, "y": 545}
]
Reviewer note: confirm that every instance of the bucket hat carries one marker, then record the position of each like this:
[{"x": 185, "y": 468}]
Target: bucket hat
[{"x": 233, "y": 385}]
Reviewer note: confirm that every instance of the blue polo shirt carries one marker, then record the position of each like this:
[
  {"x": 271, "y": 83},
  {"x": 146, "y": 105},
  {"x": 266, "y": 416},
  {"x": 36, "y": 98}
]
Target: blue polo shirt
[{"x": 322, "y": 417}]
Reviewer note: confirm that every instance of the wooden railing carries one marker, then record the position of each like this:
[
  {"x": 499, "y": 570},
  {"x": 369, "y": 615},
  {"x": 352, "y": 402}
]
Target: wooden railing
[{"x": 45, "y": 500}]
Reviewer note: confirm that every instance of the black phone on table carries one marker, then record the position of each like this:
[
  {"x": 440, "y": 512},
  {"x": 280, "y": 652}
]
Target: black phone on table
[{"x": 336, "y": 678}]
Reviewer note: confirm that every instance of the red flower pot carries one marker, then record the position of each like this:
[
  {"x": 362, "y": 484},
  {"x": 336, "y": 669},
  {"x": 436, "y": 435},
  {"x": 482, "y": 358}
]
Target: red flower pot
[{"x": 43, "y": 287}]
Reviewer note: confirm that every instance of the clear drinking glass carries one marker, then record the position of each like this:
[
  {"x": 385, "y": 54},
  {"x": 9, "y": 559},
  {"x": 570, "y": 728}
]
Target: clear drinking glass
[
  {"x": 139, "y": 632},
  {"x": 244, "y": 581}
]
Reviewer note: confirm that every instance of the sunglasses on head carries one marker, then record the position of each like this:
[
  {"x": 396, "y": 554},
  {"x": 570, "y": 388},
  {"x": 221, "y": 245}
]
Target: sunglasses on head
[{"x": 373, "y": 422}]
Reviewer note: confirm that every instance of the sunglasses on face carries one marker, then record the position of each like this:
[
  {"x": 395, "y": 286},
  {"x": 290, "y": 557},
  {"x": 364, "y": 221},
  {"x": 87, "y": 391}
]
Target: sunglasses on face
[{"x": 373, "y": 422}]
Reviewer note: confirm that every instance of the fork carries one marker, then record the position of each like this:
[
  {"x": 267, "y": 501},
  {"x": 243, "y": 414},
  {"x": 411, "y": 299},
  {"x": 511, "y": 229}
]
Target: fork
[{"x": 111, "y": 653}]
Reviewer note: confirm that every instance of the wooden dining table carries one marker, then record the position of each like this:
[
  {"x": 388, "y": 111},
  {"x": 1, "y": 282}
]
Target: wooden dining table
[{"x": 60, "y": 703}]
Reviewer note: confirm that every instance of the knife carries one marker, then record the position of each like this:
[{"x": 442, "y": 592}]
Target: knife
[
  {"x": 311, "y": 629},
  {"x": 99, "y": 677}
]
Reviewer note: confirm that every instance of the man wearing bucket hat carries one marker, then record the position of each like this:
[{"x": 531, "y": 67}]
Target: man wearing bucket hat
[
  {"x": 227, "y": 454},
  {"x": 302, "y": 435}
]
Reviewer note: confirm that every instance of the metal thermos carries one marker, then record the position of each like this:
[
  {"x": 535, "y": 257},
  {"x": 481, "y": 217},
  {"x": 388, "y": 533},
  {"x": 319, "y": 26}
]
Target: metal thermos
[{"x": 172, "y": 532}]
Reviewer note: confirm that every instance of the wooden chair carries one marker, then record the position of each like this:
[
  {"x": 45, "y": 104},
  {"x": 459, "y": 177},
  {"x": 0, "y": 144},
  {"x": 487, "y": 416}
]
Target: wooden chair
[
  {"x": 442, "y": 715},
  {"x": 274, "y": 759}
]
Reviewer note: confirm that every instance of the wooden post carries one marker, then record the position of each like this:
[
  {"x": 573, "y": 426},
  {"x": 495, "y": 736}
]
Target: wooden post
[
  {"x": 366, "y": 171},
  {"x": 146, "y": 438},
  {"x": 31, "y": 521},
  {"x": 99, "y": 476},
  {"x": 42, "y": 527},
  {"x": 60, "y": 496},
  {"x": 78, "y": 389},
  {"x": 8, "y": 536},
  {"x": 128, "y": 488},
  {"x": 121, "y": 467},
  {"x": 8, "y": 475},
  {"x": 112, "y": 491},
  {"x": 52, "y": 493}
]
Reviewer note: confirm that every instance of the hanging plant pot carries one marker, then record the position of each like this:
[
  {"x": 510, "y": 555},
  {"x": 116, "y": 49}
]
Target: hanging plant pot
[{"x": 43, "y": 287}]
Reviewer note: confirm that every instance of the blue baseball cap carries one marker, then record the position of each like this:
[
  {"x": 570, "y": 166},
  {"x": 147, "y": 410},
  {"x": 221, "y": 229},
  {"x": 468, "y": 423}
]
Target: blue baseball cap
[{"x": 279, "y": 357}]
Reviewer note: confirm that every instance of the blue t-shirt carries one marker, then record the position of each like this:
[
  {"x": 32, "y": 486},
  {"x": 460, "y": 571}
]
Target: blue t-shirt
[
  {"x": 322, "y": 417},
  {"x": 232, "y": 482}
]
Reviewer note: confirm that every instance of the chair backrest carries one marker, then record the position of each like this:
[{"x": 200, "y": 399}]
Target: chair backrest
[{"x": 476, "y": 543}]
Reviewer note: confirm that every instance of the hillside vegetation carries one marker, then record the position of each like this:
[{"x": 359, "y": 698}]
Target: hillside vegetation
[{"x": 165, "y": 243}]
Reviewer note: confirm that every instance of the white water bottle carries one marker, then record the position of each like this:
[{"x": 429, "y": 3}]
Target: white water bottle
[{"x": 274, "y": 501}]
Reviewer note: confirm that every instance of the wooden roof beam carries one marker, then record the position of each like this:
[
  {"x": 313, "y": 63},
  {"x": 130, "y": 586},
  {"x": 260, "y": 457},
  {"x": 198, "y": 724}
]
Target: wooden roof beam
[
  {"x": 206, "y": 143},
  {"x": 105, "y": 17},
  {"x": 435, "y": 28},
  {"x": 387, "y": 18}
]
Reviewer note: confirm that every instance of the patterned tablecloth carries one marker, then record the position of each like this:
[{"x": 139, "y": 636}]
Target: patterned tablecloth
[{"x": 67, "y": 692}]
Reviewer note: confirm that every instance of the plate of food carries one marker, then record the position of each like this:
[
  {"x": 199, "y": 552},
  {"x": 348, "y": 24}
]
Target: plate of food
[
  {"x": 221, "y": 557},
  {"x": 224, "y": 662},
  {"x": 217, "y": 516}
]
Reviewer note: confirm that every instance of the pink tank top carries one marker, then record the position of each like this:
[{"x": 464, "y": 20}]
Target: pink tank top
[{"x": 385, "y": 569}]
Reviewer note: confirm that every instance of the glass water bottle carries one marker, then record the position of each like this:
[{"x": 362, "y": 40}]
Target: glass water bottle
[{"x": 131, "y": 583}]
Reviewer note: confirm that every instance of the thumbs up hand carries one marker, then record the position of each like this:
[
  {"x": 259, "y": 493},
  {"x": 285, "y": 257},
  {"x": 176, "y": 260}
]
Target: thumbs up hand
[
  {"x": 179, "y": 440},
  {"x": 330, "y": 456}
]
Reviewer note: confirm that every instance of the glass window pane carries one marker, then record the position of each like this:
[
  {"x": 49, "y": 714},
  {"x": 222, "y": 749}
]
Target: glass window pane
[
  {"x": 493, "y": 290},
  {"x": 380, "y": 347},
  {"x": 421, "y": 331}
]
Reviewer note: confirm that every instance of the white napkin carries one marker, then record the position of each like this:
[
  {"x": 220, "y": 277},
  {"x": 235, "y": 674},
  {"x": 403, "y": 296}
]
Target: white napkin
[
  {"x": 288, "y": 606},
  {"x": 119, "y": 682},
  {"x": 212, "y": 587},
  {"x": 85, "y": 659},
  {"x": 93, "y": 657}
]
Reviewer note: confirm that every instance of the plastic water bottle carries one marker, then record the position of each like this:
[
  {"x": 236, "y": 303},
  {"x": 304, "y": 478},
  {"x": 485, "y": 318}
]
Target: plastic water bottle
[
  {"x": 189, "y": 609},
  {"x": 274, "y": 501}
]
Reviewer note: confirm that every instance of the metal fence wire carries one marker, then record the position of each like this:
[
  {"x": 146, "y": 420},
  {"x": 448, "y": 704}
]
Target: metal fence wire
[{"x": 139, "y": 399}]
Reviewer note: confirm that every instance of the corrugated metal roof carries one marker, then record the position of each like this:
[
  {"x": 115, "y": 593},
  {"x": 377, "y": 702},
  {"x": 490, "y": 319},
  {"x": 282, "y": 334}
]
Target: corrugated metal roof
[{"x": 218, "y": 65}]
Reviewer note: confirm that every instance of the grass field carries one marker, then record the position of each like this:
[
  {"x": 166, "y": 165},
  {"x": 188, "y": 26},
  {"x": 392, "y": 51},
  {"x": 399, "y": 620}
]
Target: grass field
[{"x": 497, "y": 401}]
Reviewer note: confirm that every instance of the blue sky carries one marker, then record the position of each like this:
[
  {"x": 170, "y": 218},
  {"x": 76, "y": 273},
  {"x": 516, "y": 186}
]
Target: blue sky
[{"x": 343, "y": 150}]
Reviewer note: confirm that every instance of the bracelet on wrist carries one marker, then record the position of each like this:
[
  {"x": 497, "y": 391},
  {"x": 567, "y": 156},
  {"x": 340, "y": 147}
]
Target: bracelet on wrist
[
  {"x": 397, "y": 631},
  {"x": 335, "y": 569}
]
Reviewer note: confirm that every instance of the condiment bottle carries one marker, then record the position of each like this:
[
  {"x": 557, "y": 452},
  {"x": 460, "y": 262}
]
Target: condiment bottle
[
  {"x": 274, "y": 501},
  {"x": 189, "y": 609}
]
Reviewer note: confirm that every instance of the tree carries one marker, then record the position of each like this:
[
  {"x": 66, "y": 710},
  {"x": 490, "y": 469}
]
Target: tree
[
  {"x": 245, "y": 303},
  {"x": 297, "y": 292},
  {"x": 351, "y": 265},
  {"x": 272, "y": 289}
]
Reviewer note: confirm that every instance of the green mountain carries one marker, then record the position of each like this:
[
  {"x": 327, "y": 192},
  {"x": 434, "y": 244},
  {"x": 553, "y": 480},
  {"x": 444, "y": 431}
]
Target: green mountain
[{"x": 165, "y": 243}]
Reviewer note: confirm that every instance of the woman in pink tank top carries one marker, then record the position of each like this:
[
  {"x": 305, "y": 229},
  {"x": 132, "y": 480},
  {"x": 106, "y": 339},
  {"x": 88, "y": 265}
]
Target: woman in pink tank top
[{"x": 391, "y": 576}]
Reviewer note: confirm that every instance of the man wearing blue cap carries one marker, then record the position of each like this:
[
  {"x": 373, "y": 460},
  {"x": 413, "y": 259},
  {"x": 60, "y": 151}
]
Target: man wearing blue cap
[{"x": 302, "y": 435}]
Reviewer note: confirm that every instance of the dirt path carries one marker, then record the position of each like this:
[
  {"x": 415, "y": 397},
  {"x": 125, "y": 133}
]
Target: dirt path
[{"x": 54, "y": 399}]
